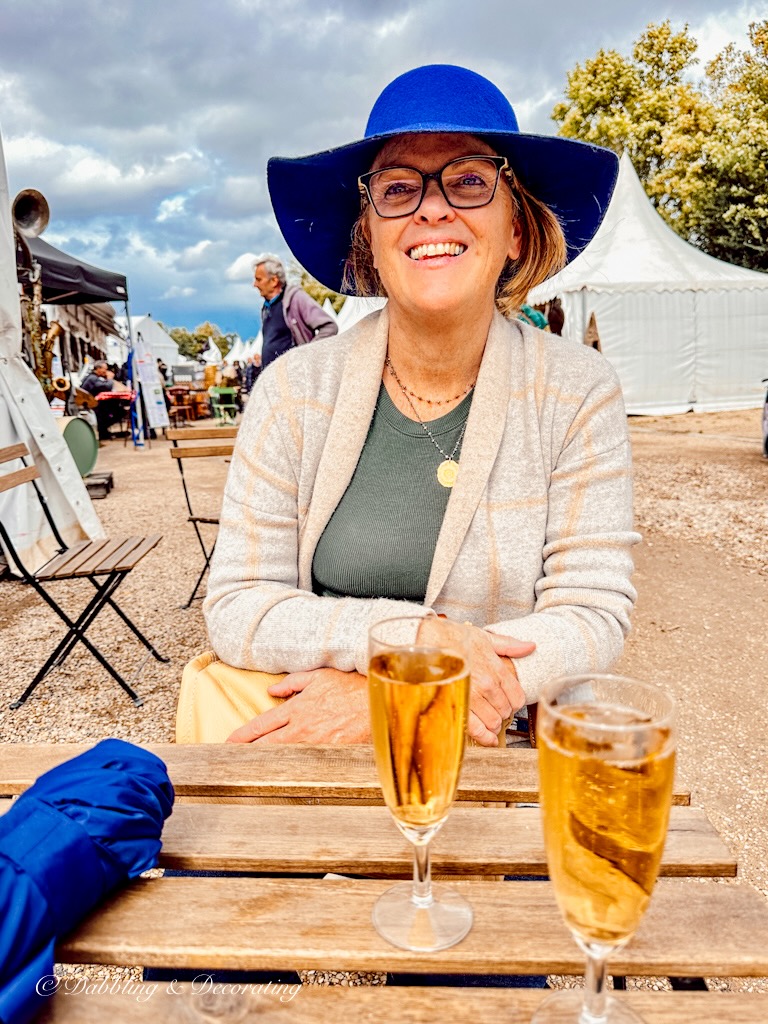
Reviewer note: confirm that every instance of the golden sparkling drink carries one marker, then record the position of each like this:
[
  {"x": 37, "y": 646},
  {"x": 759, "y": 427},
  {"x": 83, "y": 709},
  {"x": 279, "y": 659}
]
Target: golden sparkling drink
[
  {"x": 419, "y": 707},
  {"x": 605, "y": 806}
]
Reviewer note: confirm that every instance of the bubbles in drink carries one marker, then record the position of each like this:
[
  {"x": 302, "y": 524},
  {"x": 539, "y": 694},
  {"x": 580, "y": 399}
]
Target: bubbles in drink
[
  {"x": 605, "y": 799},
  {"x": 419, "y": 702}
]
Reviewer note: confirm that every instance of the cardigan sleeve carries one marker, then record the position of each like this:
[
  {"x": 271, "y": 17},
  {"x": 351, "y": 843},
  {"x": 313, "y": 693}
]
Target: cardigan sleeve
[
  {"x": 257, "y": 615},
  {"x": 584, "y": 596}
]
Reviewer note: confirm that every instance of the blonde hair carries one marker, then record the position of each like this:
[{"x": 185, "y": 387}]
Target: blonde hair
[{"x": 542, "y": 252}]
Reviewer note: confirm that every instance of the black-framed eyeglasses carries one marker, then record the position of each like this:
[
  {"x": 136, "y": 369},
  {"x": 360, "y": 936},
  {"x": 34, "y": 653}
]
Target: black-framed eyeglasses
[{"x": 466, "y": 183}]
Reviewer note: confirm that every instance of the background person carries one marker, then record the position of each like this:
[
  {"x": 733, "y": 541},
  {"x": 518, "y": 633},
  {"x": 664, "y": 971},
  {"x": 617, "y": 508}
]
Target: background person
[
  {"x": 438, "y": 457},
  {"x": 289, "y": 315},
  {"x": 98, "y": 380},
  {"x": 252, "y": 371}
]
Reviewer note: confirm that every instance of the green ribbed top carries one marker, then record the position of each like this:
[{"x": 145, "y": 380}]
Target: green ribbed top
[{"x": 381, "y": 539}]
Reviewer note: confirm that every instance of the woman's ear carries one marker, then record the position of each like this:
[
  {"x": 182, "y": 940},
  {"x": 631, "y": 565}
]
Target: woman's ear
[{"x": 516, "y": 240}]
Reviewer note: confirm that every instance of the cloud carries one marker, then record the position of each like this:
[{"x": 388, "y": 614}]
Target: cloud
[
  {"x": 149, "y": 128},
  {"x": 172, "y": 207},
  {"x": 242, "y": 268},
  {"x": 177, "y": 292},
  {"x": 202, "y": 255}
]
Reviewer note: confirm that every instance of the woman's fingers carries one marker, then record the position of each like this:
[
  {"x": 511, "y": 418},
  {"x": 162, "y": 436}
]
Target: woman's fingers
[
  {"x": 294, "y": 682},
  {"x": 261, "y": 725},
  {"x": 481, "y": 733},
  {"x": 489, "y": 699},
  {"x": 508, "y": 647}
]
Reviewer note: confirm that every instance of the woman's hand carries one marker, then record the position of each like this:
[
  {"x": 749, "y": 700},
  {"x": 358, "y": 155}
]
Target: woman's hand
[
  {"x": 326, "y": 706},
  {"x": 495, "y": 693}
]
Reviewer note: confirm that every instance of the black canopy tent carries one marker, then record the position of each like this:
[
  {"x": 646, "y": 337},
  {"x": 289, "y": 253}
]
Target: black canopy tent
[{"x": 67, "y": 280}]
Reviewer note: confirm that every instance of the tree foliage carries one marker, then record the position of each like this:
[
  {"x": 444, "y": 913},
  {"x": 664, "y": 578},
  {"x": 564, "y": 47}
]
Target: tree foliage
[
  {"x": 699, "y": 147},
  {"x": 192, "y": 344},
  {"x": 316, "y": 290}
]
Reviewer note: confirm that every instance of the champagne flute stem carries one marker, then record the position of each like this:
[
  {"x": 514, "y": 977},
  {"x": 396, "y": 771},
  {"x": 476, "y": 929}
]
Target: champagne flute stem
[
  {"x": 422, "y": 874},
  {"x": 595, "y": 995}
]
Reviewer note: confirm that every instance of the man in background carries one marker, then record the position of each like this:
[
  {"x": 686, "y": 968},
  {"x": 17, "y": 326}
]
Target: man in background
[
  {"x": 100, "y": 378},
  {"x": 289, "y": 316}
]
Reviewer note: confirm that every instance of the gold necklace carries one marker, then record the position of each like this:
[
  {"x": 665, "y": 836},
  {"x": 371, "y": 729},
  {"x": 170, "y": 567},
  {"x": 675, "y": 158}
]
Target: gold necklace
[
  {"x": 428, "y": 401},
  {"x": 448, "y": 470}
]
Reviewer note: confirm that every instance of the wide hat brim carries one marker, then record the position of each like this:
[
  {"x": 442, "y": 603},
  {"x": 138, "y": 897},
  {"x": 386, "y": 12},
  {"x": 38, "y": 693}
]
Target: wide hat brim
[{"x": 317, "y": 201}]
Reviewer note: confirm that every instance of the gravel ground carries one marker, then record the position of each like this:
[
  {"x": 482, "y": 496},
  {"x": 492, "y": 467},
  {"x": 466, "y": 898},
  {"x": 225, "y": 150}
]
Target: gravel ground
[{"x": 699, "y": 628}]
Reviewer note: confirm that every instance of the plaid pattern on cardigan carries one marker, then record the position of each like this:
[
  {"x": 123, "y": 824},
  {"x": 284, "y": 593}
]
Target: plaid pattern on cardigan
[{"x": 536, "y": 538}]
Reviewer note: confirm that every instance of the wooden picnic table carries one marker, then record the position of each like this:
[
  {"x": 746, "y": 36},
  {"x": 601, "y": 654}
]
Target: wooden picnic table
[{"x": 706, "y": 924}]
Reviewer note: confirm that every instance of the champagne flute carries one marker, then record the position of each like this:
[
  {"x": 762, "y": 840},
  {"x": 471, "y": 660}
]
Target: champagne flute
[
  {"x": 606, "y": 766},
  {"x": 418, "y": 684}
]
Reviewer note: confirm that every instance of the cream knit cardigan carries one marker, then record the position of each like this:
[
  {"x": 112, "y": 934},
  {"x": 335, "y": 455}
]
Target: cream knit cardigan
[{"x": 536, "y": 538}]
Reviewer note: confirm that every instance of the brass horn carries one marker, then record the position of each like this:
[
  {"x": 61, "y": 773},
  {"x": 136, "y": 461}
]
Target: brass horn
[
  {"x": 31, "y": 213},
  {"x": 61, "y": 385}
]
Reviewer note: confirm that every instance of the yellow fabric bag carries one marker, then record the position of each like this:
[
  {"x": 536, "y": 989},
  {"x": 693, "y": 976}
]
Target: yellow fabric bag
[{"x": 215, "y": 699}]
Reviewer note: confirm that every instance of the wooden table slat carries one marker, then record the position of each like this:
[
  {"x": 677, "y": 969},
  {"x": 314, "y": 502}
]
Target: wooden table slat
[
  {"x": 692, "y": 928},
  {"x": 374, "y": 1005},
  {"x": 294, "y": 772},
  {"x": 364, "y": 841}
]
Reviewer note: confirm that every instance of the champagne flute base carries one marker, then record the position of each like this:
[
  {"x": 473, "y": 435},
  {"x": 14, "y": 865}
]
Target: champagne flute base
[
  {"x": 566, "y": 1006},
  {"x": 423, "y": 929}
]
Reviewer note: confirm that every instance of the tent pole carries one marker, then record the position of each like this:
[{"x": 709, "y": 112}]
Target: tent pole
[{"x": 137, "y": 427}]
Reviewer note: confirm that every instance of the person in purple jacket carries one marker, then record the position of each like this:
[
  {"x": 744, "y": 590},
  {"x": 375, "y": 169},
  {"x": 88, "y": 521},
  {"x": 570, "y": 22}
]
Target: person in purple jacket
[{"x": 289, "y": 315}]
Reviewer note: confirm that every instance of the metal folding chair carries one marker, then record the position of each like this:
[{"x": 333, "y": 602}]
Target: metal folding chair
[
  {"x": 197, "y": 451},
  {"x": 104, "y": 563}
]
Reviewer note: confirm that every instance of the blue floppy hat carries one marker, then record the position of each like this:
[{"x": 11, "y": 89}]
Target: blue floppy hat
[{"x": 316, "y": 198}]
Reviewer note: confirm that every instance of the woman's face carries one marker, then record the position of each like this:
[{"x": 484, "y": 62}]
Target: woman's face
[{"x": 486, "y": 236}]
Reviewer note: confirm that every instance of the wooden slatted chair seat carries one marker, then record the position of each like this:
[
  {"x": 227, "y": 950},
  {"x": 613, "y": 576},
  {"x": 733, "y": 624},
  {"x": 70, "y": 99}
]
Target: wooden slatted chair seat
[
  {"x": 105, "y": 563},
  {"x": 98, "y": 558}
]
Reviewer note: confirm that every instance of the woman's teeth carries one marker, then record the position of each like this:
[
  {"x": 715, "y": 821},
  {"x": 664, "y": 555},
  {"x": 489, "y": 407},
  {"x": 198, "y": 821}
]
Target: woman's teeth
[{"x": 420, "y": 252}]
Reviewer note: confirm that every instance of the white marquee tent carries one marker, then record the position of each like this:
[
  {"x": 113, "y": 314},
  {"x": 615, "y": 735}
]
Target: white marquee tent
[
  {"x": 683, "y": 330},
  {"x": 355, "y": 309},
  {"x": 157, "y": 340}
]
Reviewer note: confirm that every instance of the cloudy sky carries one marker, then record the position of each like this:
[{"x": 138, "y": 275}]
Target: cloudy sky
[{"x": 147, "y": 124}]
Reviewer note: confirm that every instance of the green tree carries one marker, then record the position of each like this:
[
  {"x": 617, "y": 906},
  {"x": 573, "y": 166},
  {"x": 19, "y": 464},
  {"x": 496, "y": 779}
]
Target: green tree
[
  {"x": 699, "y": 148},
  {"x": 318, "y": 291},
  {"x": 731, "y": 216},
  {"x": 192, "y": 344}
]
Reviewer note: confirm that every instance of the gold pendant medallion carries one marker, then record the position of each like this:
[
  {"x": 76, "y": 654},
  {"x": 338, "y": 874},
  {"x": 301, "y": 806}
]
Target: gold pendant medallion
[{"x": 447, "y": 472}]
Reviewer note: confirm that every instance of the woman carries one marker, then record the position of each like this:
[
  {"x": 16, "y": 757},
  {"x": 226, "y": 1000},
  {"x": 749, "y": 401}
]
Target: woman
[{"x": 438, "y": 458}]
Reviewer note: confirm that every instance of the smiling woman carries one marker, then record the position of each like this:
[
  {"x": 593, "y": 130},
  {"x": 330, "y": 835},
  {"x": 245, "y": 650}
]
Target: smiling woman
[{"x": 439, "y": 458}]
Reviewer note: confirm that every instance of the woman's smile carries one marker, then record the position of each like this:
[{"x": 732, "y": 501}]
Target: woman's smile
[{"x": 429, "y": 251}]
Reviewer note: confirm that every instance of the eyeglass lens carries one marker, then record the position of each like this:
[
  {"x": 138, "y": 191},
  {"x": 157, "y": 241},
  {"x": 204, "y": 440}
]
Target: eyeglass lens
[{"x": 397, "y": 191}]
